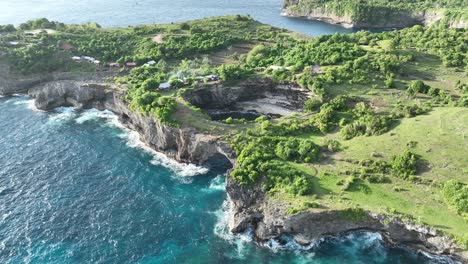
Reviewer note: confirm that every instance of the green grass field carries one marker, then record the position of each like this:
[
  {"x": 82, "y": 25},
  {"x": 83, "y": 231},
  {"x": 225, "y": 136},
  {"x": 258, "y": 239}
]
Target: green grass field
[{"x": 442, "y": 142}]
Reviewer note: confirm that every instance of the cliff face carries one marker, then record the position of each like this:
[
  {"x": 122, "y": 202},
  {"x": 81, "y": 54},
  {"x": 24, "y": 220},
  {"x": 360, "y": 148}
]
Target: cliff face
[
  {"x": 378, "y": 18},
  {"x": 219, "y": 97},
  {"x": 250, "y": 207},
  {"x": 184, "y": 145}
]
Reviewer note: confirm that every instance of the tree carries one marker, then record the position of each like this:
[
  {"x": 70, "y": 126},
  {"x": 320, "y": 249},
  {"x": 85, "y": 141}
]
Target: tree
[
  {"x": 231, "y": 72},
  {"x": 312, "y": 104},
  {"x": 150, "y": 84},
  {"x": 417, "y": 86},
  {"x": 7, "y": 28}
]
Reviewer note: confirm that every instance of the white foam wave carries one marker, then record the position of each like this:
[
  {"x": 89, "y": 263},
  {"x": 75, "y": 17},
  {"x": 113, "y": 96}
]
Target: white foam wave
[
  {"x": 241, "y": 242},
  {"x": 22, "y": 102},
  {"x": 93, "y": 114},
  {"x": 182, "y": 170},
  {"x": 217, "y": 184},
  {"x": 62, "y": 114}
]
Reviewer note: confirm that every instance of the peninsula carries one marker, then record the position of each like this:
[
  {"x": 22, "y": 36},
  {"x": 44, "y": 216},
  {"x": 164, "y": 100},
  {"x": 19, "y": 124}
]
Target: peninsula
[{"x": 320, "y": 136}]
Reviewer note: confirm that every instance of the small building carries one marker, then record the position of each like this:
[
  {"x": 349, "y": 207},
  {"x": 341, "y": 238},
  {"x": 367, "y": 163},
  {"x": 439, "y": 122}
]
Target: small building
[
  {"x": 91, "y": 59},
  {"x": 97, "y": 62},
  {"x": 164, "y": 86},
  {"x": 212, "y": 78},
  {"x": 131, "y": 64},
  {"x": 150, "y": 63},
  {"x": 114, "y": 65}
]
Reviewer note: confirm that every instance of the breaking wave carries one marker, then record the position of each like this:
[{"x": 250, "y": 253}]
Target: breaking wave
[{"x": 183, "y": 171}]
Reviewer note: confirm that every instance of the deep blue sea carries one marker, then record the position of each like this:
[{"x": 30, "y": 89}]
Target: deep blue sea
[
  {"x": 122, "y": 13},
  {"x": 77, "y": 187}
]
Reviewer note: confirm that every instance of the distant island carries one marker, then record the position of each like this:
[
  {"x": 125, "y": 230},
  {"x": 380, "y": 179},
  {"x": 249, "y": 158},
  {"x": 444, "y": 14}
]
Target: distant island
[
  {"x": 321, "y": 136},
  {"x": 380, "y": 13}
]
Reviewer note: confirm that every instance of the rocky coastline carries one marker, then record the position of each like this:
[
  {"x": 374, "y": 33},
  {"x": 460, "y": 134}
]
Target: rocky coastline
[
  {"x": 385, "y": 20},
  {"x": 250, "y": 207}
]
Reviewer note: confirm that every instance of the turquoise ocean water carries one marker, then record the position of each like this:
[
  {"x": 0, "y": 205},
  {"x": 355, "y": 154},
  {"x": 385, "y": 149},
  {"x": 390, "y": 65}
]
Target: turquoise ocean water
[{"x": 76, "y": 187}]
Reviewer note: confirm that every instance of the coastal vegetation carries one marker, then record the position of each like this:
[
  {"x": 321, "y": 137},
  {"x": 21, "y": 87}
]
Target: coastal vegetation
[
  {"x": 383, "y": 129},
  {"x": 380, "y": 12}
]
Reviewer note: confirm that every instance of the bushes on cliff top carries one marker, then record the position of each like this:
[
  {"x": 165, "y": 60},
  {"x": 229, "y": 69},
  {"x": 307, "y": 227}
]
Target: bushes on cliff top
[
  {"x": 456, "y": 195},
  {"x": 366, "y": 123},
  {"x": 405, "y": 165},
  {"x": 255, "y": 164},
  {"x": 152, "y": 102}
]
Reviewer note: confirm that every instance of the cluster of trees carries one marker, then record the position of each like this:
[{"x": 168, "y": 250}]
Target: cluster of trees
[
  {"x": 449, "y": 44},
  {"x": 373, "y": 11},
  {"x": 456, "y": 195},
  {"x": 293, "y": 149},
  {"x": 182, "y": 40},
  {"x": 253, "y": 163},
  {"x": 233, "y": 72},
  {"x": 405, "y": 165},
  {"x": 35, "y": 59},
  {"x": 142, "y": 83},
  {"x": 419, "y": 86},
  {"x": 410, "y": 110},
  {"x": 7, "y": 28},
  {"x": 152, "y": 102},
  {"x": 41, "y": 23},
  {"x": 366, "y": 123}
]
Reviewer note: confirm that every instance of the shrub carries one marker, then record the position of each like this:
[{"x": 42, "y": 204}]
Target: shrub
[
  {"x": 456, "y": 195},
  {"x": 312, "y": 104},
  {"x": 417, "y": 87},
  {"x": 405, "y": 165}
]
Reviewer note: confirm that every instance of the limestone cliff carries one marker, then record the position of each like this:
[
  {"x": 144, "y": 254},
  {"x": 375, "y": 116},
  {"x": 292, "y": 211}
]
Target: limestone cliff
[
  {"x": 250, "y": 207},
  {"x": 83, "y": 92},
  {"x": 374, "y": 18}
]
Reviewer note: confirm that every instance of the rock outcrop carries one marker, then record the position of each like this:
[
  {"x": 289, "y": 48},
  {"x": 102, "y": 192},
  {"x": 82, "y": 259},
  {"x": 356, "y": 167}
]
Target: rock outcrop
[
  {"x": 221, "y": 96},
  {"x": 378, "y": 18},
  {"x": 251, "y": 208},
  {"x": 182, "y": 144}
]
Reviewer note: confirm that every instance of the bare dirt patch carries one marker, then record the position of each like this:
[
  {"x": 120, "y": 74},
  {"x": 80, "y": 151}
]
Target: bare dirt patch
[{"x": 158, "y": 39}]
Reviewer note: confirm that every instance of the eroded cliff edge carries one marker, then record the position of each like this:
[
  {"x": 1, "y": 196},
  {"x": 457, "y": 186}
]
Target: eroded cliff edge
[
  {"x": 375, "y": 18},
  {"x": 250, "y": 207},
  {"x": 84, "y": 91}
]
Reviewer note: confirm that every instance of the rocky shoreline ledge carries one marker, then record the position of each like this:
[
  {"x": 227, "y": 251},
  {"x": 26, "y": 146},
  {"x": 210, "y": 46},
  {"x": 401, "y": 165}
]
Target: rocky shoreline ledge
[
  {"x": 250, "y": 207},
  {"x": 387, "y": 21}
]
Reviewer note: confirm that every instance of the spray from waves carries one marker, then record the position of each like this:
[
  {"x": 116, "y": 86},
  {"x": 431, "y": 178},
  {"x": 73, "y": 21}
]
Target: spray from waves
[
  {"x": 61, "y": 114},
  {"x": 183, "y": 171},
  {"x": 353, "y": 243},
  {"x": 93, "y": 114},
  {"x": 217, "y": 184},
  {"x": 32, "y": 106},
  {"x": 242, "y": 242}
]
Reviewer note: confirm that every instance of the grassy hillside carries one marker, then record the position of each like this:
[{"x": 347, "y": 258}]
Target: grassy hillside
[{"x": 383, "y": 130}]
